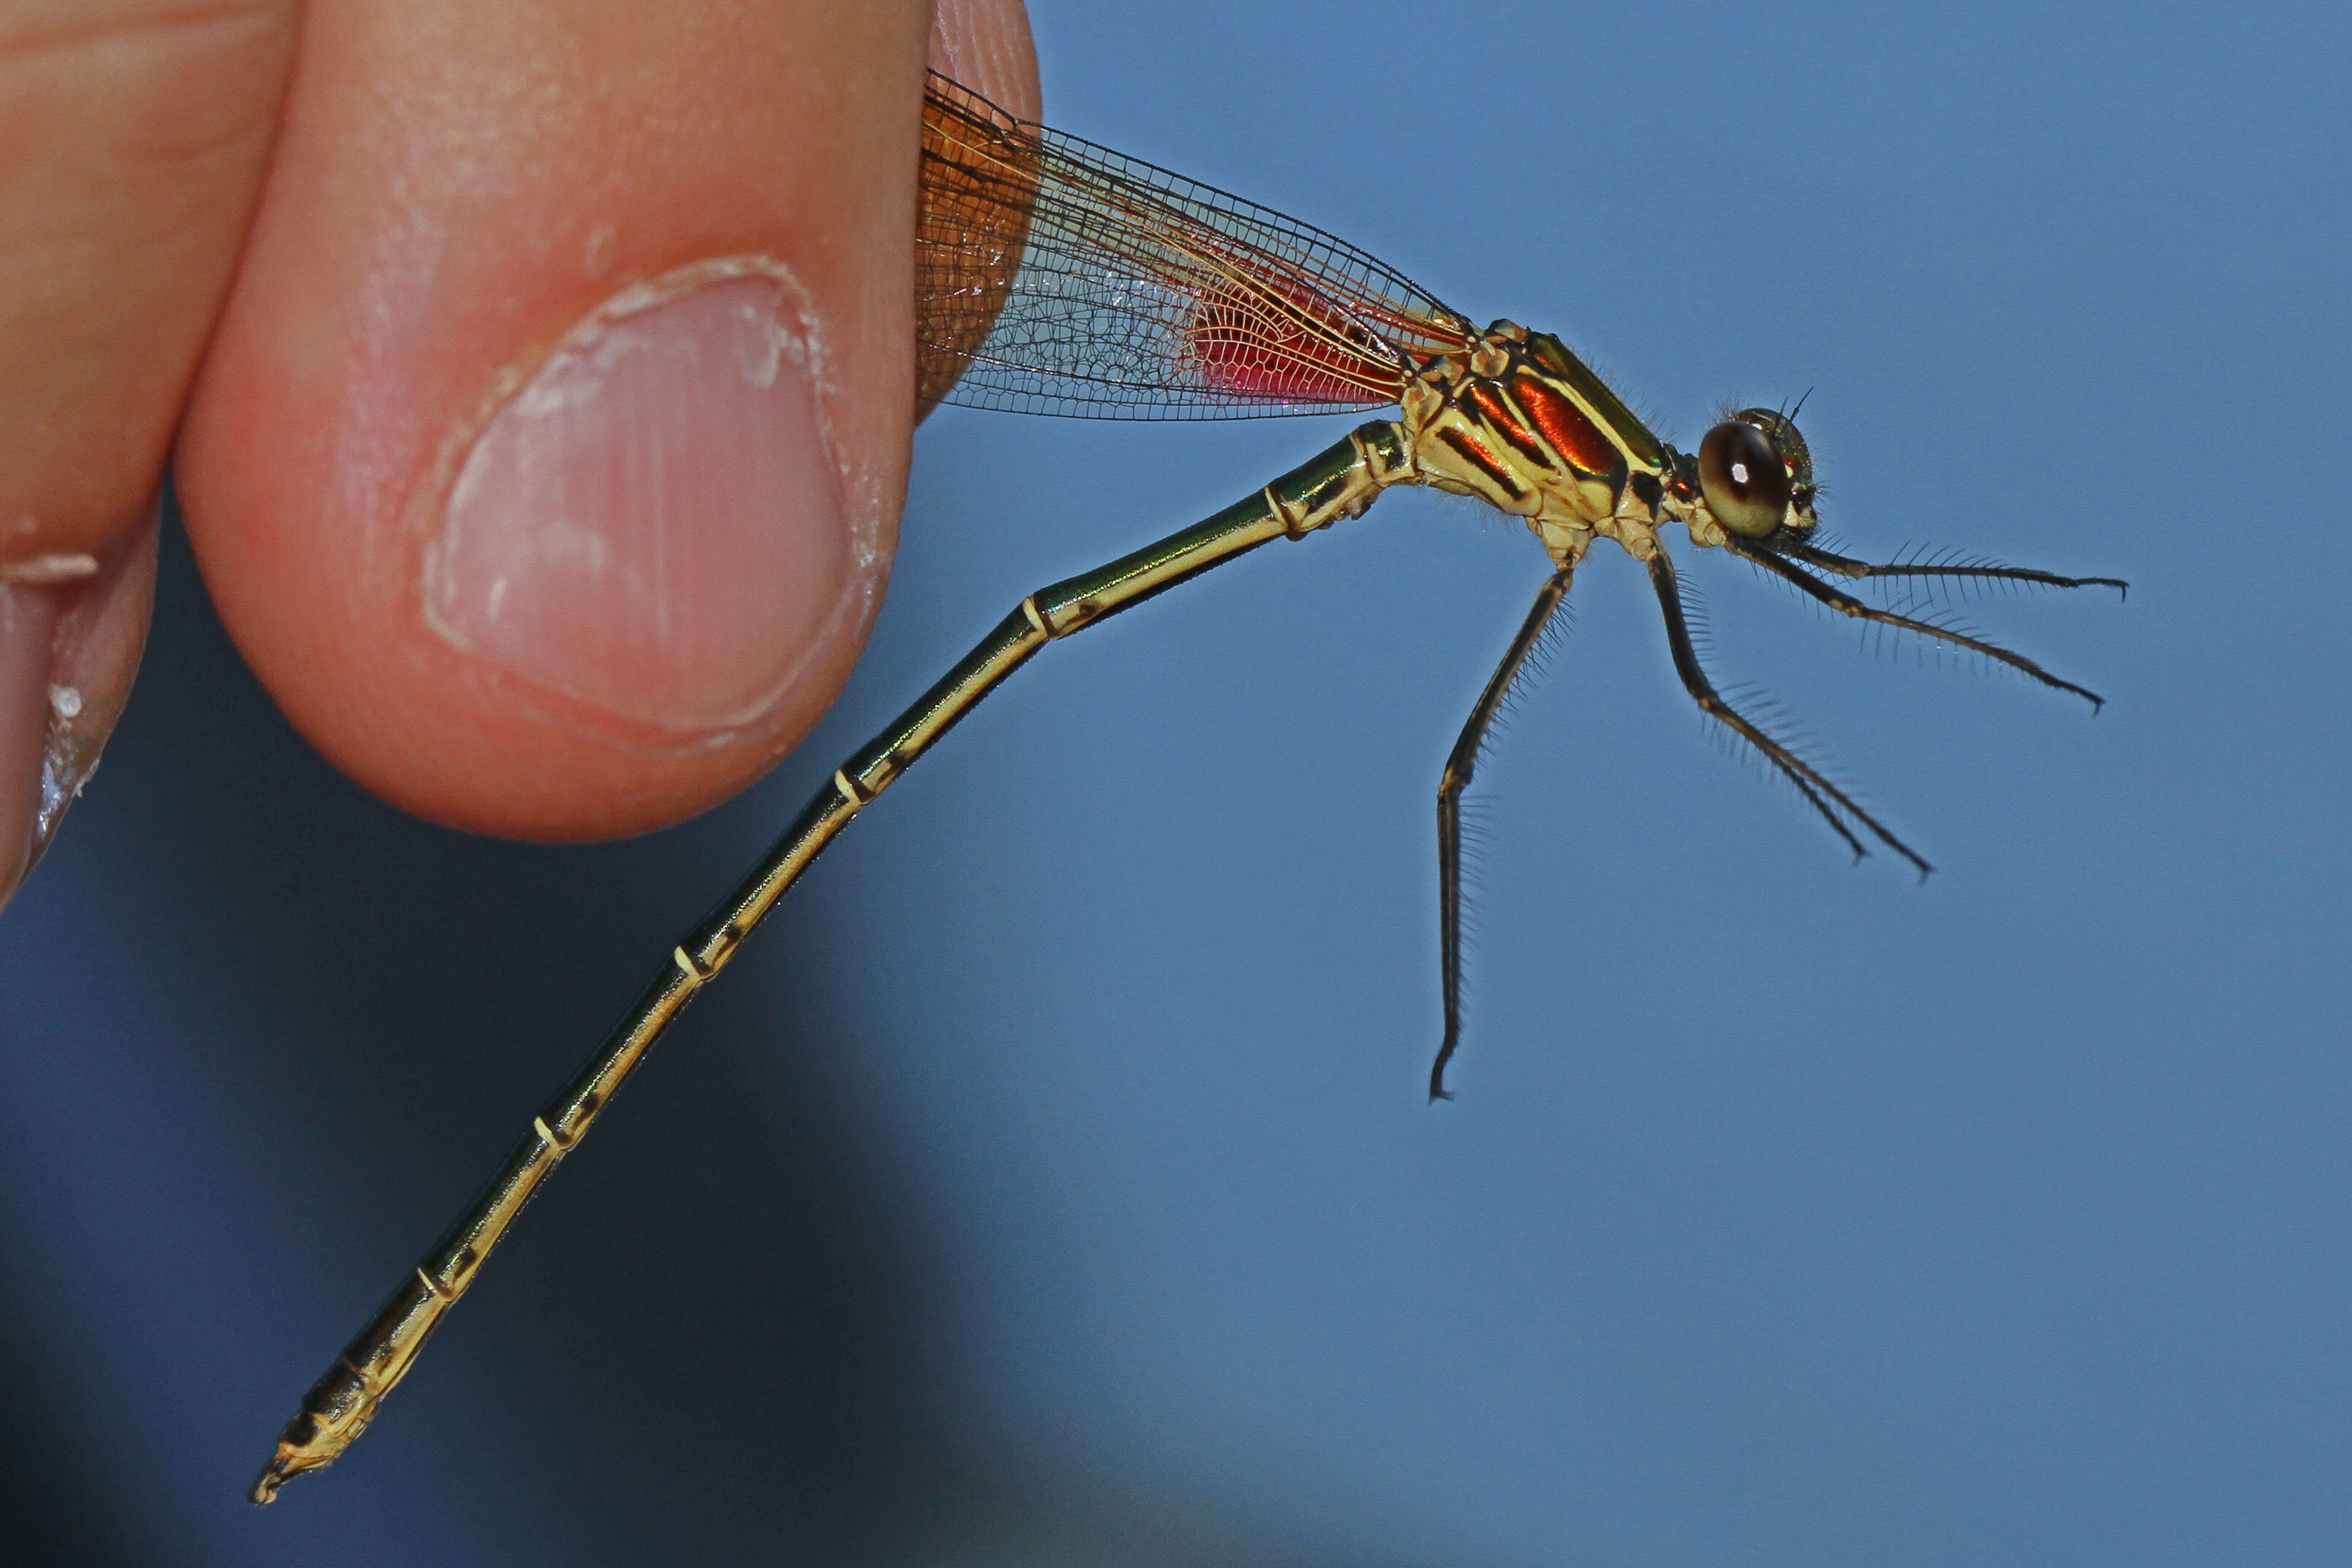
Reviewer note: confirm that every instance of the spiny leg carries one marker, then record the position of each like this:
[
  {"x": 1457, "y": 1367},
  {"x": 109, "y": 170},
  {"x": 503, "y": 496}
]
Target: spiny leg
[
  {"x": 1847, "y": 604},
  {"x": 1809, "y": 782},
  {"x": 1847, "y": 566},
  {"x": 1459, "y": 767}
]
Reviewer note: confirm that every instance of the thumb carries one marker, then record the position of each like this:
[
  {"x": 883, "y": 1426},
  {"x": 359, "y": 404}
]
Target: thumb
[{"x": 547, "y": 462}]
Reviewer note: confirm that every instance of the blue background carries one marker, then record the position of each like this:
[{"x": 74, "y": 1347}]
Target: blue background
[{"x": 1051, "y": 1183}]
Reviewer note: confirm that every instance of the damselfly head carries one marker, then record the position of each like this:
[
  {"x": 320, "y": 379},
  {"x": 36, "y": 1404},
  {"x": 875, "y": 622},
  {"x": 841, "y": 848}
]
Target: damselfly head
[{"x": 1756, "y": 475}]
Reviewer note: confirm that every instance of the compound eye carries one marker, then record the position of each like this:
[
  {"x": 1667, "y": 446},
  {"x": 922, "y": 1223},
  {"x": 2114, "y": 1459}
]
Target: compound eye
[{"x": 1744, "y": 479}]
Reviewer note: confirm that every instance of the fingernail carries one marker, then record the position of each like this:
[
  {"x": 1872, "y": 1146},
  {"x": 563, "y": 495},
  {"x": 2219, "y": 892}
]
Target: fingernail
[
  {"x": 28, "y": 621},
  {"x": 653, "y": 523}
]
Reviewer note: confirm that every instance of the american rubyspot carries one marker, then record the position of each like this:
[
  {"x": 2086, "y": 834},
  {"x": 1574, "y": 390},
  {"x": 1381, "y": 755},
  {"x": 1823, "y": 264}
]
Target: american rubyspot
[{"x": 1055, "y": 276}]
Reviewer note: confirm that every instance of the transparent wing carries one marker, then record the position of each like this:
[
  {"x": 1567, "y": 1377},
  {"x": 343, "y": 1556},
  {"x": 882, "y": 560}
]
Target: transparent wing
[{"x": 1056, "y": 276}]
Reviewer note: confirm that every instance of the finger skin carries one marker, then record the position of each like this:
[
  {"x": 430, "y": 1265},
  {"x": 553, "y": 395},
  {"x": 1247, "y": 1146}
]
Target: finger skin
[
  {"x": 985, "y": 45},
  {"x": 456, "y": 189},
  {"x": 133, "y": 139},
  {"x": 133, "y": 135}
]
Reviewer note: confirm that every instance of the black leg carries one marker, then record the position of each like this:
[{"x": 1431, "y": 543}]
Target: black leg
[
  {"x": 1847, "y": 566},
  {"x": 1809, "y": 782},
  {"x": 1459, "y": 767},
  {"x": 1847, "y": 604}
]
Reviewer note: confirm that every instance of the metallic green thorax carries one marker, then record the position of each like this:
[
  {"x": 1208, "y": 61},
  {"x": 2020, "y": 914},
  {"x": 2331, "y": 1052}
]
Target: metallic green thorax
[
  {"x": 1522, "y": 424},
  {"x": 1525, "y": 426},
  {"x": 1643, "y": 451}
]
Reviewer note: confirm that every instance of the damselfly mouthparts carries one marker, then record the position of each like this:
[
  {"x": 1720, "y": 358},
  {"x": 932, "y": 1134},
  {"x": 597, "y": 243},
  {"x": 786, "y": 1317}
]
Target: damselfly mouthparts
[{"x": 1056, "y": 276}]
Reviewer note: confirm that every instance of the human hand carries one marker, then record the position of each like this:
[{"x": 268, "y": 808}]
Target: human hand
[{"x": 537, "y": 378}]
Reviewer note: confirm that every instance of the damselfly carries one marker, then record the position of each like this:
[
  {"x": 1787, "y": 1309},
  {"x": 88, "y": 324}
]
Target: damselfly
[{"x": 1057, "y": 276}]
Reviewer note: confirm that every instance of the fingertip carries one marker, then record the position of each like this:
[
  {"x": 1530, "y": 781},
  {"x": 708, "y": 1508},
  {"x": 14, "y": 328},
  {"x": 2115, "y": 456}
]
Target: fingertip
[
  {"x": 986, "y": 45},
  {"x": 547, "y": 465}
]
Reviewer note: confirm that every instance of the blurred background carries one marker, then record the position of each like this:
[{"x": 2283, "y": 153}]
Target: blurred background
[{"x": 1050, "y": 1183}]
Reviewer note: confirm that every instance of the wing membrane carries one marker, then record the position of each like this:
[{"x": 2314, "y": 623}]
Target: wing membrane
[{"x": 1056, "y": 276}]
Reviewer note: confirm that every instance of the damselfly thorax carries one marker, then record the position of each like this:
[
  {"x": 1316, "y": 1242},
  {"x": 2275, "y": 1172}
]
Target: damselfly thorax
[{"x": 1520, "y": 423}]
